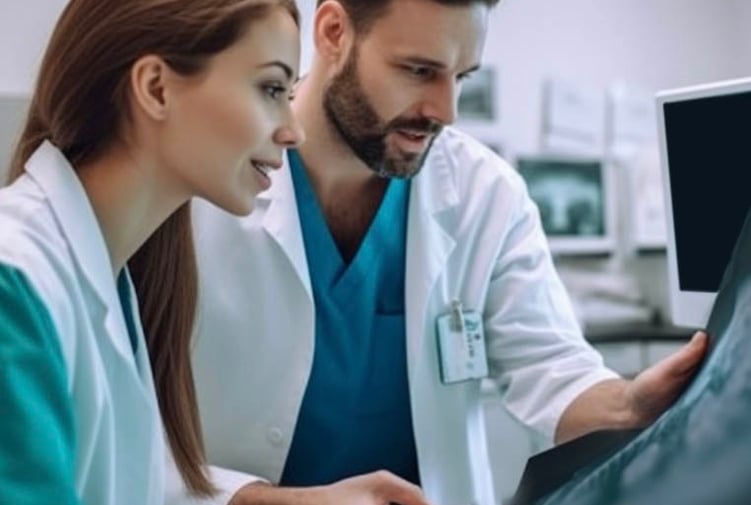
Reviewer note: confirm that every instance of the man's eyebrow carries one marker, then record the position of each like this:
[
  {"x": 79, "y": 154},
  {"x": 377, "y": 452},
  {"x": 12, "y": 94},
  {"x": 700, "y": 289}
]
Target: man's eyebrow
[
  {"x": 285, "y": 68},
  {"x": 472, "y": 69},
  {"x": 427, "y": 62}
]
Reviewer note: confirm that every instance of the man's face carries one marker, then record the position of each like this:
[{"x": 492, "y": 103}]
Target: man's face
[{"x": 400, "y": 83}]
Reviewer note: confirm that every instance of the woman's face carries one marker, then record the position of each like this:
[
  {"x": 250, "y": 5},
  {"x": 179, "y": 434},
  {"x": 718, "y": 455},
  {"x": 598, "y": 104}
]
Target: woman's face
[{"x": 229, "y": 125}]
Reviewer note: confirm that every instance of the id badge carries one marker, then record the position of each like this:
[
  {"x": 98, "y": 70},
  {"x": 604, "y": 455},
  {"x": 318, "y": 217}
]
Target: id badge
[{"x": 461, "y": 345}]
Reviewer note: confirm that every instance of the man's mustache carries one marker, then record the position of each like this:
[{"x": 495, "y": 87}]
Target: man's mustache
[{"x": 423, "y": 125}]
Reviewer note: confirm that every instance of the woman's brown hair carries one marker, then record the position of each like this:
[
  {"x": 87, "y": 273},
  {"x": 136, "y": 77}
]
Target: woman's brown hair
[{"x": 81, "y": 105}]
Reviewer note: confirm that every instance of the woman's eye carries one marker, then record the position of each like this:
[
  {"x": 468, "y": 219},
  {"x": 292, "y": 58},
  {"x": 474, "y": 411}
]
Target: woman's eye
[{"x": 275, "y": 91}]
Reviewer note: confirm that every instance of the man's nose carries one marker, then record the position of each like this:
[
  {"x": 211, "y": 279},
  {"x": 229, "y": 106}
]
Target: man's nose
[{"x": 440, "y": 103}]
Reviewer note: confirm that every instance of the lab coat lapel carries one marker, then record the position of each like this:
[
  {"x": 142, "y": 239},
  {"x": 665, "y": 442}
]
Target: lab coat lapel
[
  {"x": 281, "y": 221},
  {"x": 70, "y": 204},
  {"x": 142, "y": 353},
  {"x": 433, "y": 196}
]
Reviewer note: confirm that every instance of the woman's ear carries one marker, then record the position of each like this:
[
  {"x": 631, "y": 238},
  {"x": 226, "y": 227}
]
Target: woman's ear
[
  {"x": 149, "y": 77},
  {"x": 333, "y": 32}
]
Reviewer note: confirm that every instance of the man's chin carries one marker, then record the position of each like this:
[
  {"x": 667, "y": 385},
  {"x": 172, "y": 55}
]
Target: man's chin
[{"x": 399, "y": 169}]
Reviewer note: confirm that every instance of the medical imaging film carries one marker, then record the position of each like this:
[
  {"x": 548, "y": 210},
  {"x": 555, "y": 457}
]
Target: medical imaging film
[{"x": 699, "y": 451}]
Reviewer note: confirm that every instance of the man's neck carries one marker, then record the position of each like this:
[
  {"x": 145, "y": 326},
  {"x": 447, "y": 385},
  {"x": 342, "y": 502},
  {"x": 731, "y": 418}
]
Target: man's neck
[
  {"x": 348, "y": 192},
  {"x": 330, "y": 163}
]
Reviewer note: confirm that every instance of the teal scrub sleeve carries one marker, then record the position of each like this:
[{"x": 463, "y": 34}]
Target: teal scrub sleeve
[{"x": 37, "y": 434}]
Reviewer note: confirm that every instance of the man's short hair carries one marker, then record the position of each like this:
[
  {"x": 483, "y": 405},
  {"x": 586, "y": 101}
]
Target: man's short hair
[{"x": 364, "y": 13}]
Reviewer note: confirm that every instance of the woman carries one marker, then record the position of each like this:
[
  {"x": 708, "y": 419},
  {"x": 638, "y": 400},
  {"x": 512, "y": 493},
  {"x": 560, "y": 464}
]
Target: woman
[{"x": 140, "y": 105}]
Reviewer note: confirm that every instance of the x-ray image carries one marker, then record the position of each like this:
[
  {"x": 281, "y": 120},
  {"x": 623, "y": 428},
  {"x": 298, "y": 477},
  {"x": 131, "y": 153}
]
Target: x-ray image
[
  {"x": 569, "y": 195},
  {"x": 699, "y": 451}
]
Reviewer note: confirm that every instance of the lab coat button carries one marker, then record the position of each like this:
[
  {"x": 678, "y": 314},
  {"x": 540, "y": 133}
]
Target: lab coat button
[{"x": 275, "y": 436}]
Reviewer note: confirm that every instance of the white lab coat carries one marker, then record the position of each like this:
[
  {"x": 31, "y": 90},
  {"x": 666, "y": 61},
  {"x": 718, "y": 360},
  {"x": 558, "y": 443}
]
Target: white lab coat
[
  {"x": 49, "y": 232},
  {"x": 473, "y": 235}
]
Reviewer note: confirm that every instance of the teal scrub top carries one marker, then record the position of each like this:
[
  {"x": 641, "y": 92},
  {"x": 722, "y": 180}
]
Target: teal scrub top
[
  {"x": 37, "y": 429},
  {"x": 355, "y": 416}
]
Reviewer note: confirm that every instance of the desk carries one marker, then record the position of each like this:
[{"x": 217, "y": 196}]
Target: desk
[{"x": 629, "y": 349}]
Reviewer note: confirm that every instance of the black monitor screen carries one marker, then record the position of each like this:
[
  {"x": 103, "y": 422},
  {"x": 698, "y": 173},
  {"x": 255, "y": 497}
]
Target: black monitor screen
[{"x": 708, "y": 144}]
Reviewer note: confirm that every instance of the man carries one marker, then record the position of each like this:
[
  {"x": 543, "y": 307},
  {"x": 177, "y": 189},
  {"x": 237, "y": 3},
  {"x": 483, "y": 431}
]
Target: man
[{"x": 318, "y": 360}]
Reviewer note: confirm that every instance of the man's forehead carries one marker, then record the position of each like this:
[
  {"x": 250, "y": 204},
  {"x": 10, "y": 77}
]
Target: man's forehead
[
  {"x": 452, "y": 35},
  {"x": 433, "y": 16}
]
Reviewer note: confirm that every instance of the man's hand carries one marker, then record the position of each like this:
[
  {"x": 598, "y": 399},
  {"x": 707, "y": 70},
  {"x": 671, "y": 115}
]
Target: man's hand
[
  {"x": 377, "y": 488},
  {"x": 654, "y": 390},
  {"x": 621, "y": 404}
]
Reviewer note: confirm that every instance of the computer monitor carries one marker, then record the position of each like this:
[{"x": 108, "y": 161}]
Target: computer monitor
[
  {"x": 704, "y": 134},
  {"x": 575, "y": 200}
]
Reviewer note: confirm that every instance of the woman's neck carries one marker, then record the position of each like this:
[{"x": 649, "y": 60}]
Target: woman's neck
[{"x": 129, "y": 198}]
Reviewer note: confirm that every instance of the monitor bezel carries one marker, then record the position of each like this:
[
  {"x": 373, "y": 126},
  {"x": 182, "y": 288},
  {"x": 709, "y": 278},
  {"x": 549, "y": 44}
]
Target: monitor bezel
[{"x": 687, "y": 308}]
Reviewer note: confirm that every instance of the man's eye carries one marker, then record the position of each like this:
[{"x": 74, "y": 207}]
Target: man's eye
[{"x": 422, "y": 72}]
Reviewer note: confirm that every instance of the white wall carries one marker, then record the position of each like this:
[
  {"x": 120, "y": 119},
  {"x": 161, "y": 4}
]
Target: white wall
[
  {"x": 24, "y": 29},
  {"x": 743, "y": 41},
  {"x": 651, "y": 44},
  {"x": 307, "y": 9}
]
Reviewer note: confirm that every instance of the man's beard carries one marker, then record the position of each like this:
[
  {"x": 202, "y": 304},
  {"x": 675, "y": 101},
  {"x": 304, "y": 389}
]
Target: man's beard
[{"x": 356, "y": 121}]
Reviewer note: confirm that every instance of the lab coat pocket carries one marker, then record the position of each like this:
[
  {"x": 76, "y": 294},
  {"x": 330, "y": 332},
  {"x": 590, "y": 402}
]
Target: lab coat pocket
[{"x": 385, "y": 387}]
